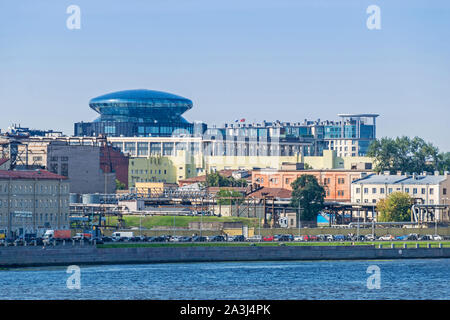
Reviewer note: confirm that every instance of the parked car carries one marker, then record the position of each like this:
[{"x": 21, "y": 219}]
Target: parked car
[
  {"x": 338, "y": 237},
  {"x": 185, "y": 239},
  {"x": 425, "y": 237},
  {"x": 239, "y": 238},
  {"x": 284, "y": 237},
  {"x": 268, "y": 238},
  {"x": 255, "y": 238},
  {"x": 199, "y": 239},
  {"x": 386, "y": 237},
  {"x": 217, "y": 238},
  {"x": 173, "y": 239},
  {"x": 230, "y": 238},
  {"x": 369, "y": 237},
  {"x": 413, "y": 236},
  {"x": 437, "y": 238}
]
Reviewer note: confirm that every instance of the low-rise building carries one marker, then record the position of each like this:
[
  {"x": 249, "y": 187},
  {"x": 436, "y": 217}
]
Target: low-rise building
[
  {"x": 424, "y": 189},
  {"x": 337, "y": 182},
  {"x": 32, "y": 201}
]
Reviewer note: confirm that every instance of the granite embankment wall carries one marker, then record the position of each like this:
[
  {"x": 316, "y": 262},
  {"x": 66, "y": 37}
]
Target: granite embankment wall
[{"x": 37, "y": 256}]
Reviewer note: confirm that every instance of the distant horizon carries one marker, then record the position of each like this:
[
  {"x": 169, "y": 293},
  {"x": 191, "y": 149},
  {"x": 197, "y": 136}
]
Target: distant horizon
[{"x": 283, "y": 60}]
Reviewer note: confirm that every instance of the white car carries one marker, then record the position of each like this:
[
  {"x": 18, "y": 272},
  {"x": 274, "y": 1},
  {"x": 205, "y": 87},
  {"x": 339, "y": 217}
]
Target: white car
[
  {"x": 386, "y": 237},
  {"x": 437, "y": 238}
]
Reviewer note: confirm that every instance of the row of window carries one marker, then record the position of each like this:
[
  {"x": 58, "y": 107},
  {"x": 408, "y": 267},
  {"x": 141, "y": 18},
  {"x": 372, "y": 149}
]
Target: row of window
[
  {"x": 431, "y": 201},
  {"x": 390, "y": 190},
  {"x": 27, "y": 203},
  {"x": 148, "y": 171},
  {"x": 40, "y": 218},
  {"x": 21, "y": 188},
  {"x": 152, "y": 179}
]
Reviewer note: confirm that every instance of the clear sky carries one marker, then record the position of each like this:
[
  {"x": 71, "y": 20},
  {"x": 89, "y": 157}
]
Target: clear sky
[{"x": 253, "y": 59}]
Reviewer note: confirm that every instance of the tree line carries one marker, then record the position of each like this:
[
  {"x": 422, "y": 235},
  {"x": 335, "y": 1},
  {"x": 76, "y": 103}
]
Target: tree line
[{"x": 407, "y": 155}]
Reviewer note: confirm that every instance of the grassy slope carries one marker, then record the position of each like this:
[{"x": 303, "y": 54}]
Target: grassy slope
[{"x": 181, "y": 221}]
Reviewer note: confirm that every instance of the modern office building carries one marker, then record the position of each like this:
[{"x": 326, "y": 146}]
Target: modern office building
[
  {"x": 137, "y": 113},
  {"x": 32, "y": 201},
  {"x": 148, "y": 113},
  {"x": 349, "y": 137}
]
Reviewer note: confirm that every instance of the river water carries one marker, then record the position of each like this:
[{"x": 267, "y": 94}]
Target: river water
[{"x": 398, "y": 279}]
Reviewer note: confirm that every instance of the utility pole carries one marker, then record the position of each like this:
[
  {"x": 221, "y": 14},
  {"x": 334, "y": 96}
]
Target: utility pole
[{"x": 299, "y": 218}]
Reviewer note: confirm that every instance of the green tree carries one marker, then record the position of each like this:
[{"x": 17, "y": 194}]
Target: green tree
[
  {"x": 395, "y": 208},
  {"x": 307, "y": 192},
  {"x": 120, "y": 185},
  {"x": 227, "y": 197},
  {"x": 307, "y": 166},
  {"x": 217, "y": 180},
  {"x": 443, "y": 162},
  {"x": 404, "y": 154}
]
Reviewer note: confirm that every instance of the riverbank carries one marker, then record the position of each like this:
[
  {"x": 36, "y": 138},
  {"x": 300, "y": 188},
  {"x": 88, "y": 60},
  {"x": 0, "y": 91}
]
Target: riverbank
[{"x": 84, "y": 255}]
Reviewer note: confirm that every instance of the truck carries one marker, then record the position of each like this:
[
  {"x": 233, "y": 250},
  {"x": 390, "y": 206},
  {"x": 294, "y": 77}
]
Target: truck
[
  {"x": 58, "y": 235},
  {"x": 121, "y": 235}
]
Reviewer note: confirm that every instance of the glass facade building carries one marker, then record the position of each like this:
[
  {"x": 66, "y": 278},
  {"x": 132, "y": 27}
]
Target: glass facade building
[{"x": 137, "y": 113}]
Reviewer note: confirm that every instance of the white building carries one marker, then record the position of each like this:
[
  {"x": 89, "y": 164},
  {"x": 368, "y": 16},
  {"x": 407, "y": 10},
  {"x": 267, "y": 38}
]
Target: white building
[{"x": 424, "y": 189}]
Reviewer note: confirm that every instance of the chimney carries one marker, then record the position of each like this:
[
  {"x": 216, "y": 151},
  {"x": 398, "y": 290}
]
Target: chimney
[
  {"x": 414, "y": 176},
  {"x": 436, "y": 173},
  {"x": 424, "y": 173},
  {"x": 387, "y": 173},
  {"x": 399, "y": 173}
]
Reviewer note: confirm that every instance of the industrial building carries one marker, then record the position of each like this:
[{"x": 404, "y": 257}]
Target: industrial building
[{"x": 77, "y": 159}]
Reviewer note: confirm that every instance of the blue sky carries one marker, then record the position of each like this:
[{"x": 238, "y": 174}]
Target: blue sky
[{"x": 279, "y": 59}]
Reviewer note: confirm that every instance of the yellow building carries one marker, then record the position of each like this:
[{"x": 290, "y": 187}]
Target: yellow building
[{"x": 182, "y": 165}]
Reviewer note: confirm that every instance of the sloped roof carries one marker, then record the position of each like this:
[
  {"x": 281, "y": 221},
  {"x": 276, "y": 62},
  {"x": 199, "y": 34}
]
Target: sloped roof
[{"x": 30, "y": 174}]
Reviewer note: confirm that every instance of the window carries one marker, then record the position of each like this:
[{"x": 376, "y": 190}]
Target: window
[
  {"x": 65, "y": 169},
  {"x": 382, "y": 190},
  {"x": 366, "y": 190},
  {"x": 407, "y": 190},
  {"x": 431, "y": 191},
  {"x": 374, "y": 190},
  {"x": 414, "y": 190},
  {"x": 390, "y": 190},
  {"x": 64, "y": 158},
  {"x": 423, "y": 191},
  {"x": 358, "y": 190},
  {"x": 444, "y": 191}
]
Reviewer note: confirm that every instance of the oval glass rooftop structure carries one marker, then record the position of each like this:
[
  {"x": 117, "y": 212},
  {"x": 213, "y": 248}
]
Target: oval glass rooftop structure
[{"x": 140, "y": 105}]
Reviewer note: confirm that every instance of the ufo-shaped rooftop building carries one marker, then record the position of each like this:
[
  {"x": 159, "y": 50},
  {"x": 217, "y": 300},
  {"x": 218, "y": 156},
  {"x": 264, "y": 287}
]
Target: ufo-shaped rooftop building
[{"x": 139, "y": 112}]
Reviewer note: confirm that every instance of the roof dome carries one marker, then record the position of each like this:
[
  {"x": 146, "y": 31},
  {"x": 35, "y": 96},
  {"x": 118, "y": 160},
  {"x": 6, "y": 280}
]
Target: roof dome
[{"x": 139, "y": 105}]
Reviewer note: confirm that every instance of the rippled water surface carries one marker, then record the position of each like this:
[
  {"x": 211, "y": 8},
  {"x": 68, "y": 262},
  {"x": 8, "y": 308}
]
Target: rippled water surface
[{"x": 400, "y": 279}]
